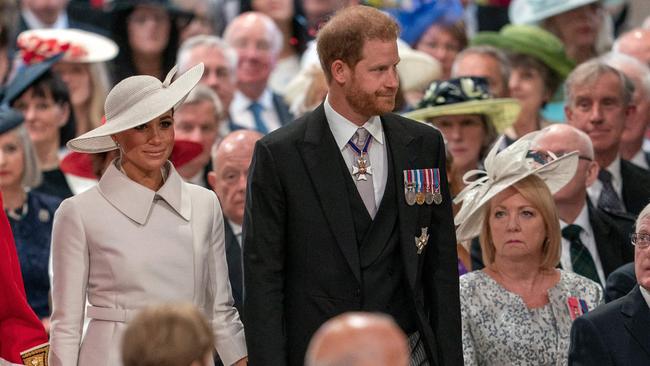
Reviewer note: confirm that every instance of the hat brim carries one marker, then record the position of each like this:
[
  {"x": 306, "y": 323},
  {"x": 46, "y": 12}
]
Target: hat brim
[
  {"x": 556, "y": 174},
  {"x": 26, "y": 76},
  {"x": 520, "y": 12},
  {"x": 500, "y": 112},
  {"x": 561, "y": 66},
  {"x": 146, "y": 109},
  {"x": 98, "y": 48},
  {"x": 9, "y": 119}
]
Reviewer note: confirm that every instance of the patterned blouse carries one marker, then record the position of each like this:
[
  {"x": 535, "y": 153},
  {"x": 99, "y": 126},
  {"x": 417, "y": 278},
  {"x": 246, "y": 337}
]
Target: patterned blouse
[{"x": 499, "y": 329}]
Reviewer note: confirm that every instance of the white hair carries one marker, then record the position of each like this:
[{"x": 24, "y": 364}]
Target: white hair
[
  {"x": 619, "y": 60},
  {"x": 208, "y": 41},
  {"x": 272, "y": 30}
]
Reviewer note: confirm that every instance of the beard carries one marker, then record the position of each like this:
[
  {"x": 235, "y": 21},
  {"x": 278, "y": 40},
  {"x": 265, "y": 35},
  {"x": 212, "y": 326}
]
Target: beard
[{"x": 369, "y": 104}]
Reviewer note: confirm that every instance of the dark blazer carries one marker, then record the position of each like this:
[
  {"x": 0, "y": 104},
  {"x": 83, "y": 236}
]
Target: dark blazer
[
  {"x": 301, "y": 259},
  {"x": 612, "y": 236},
  {"x": 235, "y": 270},
  {"x": 620, "y": 282},
  {"x": 636, "y": 187},
  {"x": 613, "y": 334}
]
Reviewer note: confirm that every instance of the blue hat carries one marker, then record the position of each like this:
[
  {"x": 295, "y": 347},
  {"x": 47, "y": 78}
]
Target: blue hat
[
  {"x": 9, "y": 119},
  {"x": 416, "y": 19},
  {"x": 26, "y": 76}
]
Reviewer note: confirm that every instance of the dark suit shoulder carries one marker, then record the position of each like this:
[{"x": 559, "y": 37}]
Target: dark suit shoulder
[
  {"x": 290, "y": 132},
  {"x": 602, "y": 316},
  {"x": 418, "y": 128}
]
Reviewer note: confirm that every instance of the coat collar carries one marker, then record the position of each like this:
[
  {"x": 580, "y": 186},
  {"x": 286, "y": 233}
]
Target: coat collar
[{"x": 135, "y": 201}]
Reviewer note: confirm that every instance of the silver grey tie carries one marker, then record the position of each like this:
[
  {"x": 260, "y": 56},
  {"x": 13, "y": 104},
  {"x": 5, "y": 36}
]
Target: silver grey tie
[{"x": 365, "y": 186}]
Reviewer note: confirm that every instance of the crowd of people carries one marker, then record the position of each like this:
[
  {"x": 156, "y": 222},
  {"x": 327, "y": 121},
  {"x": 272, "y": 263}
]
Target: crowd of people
[{"x": 441, "y": 182}]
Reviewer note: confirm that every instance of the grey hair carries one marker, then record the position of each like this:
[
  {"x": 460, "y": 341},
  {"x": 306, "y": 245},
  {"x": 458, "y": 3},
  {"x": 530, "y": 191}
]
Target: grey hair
[
  {"x": 271, "y": 29},
  {"x": 620, "y": 60},
  {"x": 208, "y": 41},
  {"x": 495, "y": 53},
  {"x": 589, "y": 72},
  {"x": 645, "y": 214},
  {"x": 202, "y": 93},
  {"x": 32, "y": 176}
]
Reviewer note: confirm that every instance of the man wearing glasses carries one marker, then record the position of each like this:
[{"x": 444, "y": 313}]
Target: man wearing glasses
[{"x": 617, "y": 333}]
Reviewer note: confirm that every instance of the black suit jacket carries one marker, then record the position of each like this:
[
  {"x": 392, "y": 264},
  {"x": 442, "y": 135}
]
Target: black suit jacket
[
  {"x": 611, "y": 233},
  {"x": 301, "y": 258},
  {"x": 613, "y": 334},
  {"x": 235, "y": 270},
  {"x": 620, "y": 282},
  {"x": 636, "y": 187}
]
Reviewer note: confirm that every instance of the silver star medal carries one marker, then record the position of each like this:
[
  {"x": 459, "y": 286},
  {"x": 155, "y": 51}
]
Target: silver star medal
[{"x": 362, "y": 168}]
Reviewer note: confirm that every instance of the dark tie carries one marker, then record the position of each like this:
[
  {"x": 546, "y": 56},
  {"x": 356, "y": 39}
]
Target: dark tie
[
  {"x": 581, "y": 261},
  {"x": 260, "y": 126},
  {"x": 608, "y": 199}
]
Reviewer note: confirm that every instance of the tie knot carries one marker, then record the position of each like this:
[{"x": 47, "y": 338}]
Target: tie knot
[
  {"x": 604, "y": 176},
  {"x": 361, "y": 135},
  {"x": 255, "y": 107},
  {"x": 571, "y": 232}
]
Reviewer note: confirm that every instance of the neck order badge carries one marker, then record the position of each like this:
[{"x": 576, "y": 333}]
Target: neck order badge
[{"x": 363, "y": 165}]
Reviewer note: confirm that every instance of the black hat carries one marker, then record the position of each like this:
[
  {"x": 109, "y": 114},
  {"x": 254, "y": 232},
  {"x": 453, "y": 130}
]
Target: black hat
[{"x": 26, "y": 76}]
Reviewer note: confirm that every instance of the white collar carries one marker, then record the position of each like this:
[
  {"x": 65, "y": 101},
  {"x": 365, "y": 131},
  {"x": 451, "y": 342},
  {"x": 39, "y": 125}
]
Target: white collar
[
  {"x": 343, "y": 129},
  {"x": 236, "y": 228},
  {"x": 582, "y": 220},
  {"x": 646, "y": 295},
  {"x": 34, "y": 23},
  {"x": 240, "y": 102},
  {"x": 639, "y": 159},
  {"x": 615, "y": 169},
  {"x": 135, "y": 200}
]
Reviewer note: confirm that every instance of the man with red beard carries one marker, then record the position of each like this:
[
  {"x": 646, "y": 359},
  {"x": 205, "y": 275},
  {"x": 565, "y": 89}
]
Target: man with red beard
[
  {"x": 598, "y": 102},
  {"x": 348, "y": 209}
]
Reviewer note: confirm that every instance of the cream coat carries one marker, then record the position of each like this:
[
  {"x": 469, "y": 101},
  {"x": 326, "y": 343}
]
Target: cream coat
[{"x": 123, "y": 247}]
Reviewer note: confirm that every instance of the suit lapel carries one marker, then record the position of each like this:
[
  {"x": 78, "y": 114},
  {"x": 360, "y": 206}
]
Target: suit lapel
[
  {"x": 404, "y": 150},
  {"x": 637, "y": 318},
  {"x": 321, "y": 156},
  {"x": 608, "y": 258}
]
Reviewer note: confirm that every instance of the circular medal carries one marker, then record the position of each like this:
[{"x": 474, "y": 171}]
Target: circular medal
[
  {"x": 428, "y": 198},
  {"x": 410, "y": 197},
  {"x": 419, "y": 198},
  {"x": 437, "y": 198}
]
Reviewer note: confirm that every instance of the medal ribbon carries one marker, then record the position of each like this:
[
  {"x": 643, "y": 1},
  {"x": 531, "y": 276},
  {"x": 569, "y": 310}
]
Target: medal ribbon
[
  {"x": 427, "y": 180},
  {"x": 356, "y": 149},
  {"x": 436, "y": 180},
  {"x": 418, "y": 174}
]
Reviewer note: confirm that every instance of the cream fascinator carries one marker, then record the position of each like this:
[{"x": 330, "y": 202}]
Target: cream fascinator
[{"x": 502, "y": 170}]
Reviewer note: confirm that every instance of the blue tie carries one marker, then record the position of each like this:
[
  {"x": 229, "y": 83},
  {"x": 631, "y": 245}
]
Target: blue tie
[{"x": 256, "y": 108}]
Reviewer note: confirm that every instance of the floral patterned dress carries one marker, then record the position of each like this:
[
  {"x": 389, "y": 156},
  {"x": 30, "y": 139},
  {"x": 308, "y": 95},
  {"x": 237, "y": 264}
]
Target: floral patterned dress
[{"x": 499, "y": 329}]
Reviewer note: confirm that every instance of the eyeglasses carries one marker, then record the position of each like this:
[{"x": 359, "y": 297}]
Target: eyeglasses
[
  {"x": 640, "y": 240},
  {"x": 543, "y": 157}
]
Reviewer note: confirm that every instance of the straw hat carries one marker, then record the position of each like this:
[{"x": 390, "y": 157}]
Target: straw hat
[
  {"x": 134, "y": 101},
  {"x": 502, "y": 170},
  {"x": 466, "y": 95},
  {"x": 78, "y": 45},
  {"x": 532, "y": 41},
  {"x": 534, "y": 11}
]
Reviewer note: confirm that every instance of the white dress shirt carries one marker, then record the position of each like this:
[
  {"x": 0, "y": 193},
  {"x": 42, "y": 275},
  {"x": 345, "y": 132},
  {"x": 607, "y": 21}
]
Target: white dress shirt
[
  {"x": 343, "y": 130},
  {"x": 617, "y": 182},
  {"x": 243, "y": 117},
  {"x": 236, "y": 230},
  {"x": 589, "y": 241},
  {"x": 646, "y": 295},
  {"x": 34, "y": 23}
]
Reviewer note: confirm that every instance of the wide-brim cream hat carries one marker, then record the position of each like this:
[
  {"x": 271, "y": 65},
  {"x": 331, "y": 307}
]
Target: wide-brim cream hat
[
  {"x": 502, "y": 170},
  {"x": 534, "y": 11},
  {"x": 78, "y": 45},
  {"x": 134, "y": 101}
]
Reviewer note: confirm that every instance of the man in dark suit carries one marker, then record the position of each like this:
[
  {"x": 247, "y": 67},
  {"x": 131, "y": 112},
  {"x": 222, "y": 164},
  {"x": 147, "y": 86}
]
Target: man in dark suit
[
  {"x": 331, "y": 223},
  {"x": 617, "y": 333},
  {"x": 258, "y": 43},
  {"x": 601, "y": 238},
  {"x": 599, "y": 100},
  {"x": 230, "y": 162}
]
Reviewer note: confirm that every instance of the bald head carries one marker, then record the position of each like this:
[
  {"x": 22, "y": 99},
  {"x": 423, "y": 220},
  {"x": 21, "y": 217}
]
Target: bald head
[
  {"x": 228, "y": 178},
  {"x": 563, "y": 138},
  {"x": 635, "y": 43},
  {"x": 358, "y": 339}
]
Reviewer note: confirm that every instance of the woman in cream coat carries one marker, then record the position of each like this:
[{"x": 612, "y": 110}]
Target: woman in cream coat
[{"x": 142, "y": 236}]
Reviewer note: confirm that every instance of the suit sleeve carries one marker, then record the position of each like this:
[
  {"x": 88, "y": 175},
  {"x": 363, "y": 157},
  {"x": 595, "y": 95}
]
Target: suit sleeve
[
  {"x": 441, "y": 275},
  {"x": 587, "y": 347},
  {"x": 227, "y": 328},
  {"x": 70, "y": 278},
  {"x": 264, "y": 262}
]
